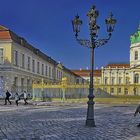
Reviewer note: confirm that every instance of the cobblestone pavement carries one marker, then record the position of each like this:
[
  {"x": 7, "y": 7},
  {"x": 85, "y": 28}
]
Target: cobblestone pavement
[{"x": 68, "y": 123}]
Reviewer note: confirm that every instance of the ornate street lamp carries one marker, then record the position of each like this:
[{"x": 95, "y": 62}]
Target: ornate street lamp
[{"x": 93, "y": 43}]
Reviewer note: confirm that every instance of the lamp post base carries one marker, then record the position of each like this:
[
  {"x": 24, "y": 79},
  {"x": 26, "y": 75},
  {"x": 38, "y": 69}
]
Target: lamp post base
[
  {"x": 90, "y": 123},
  {"x": 90, "y": 113}
]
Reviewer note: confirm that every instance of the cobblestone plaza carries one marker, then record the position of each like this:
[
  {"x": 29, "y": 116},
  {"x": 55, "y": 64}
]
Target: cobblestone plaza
[{"x": 67, "y": 122}]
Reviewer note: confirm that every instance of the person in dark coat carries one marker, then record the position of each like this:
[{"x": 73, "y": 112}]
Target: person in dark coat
[
  {"x": 136, "y": 112},
  {"x": 7, "y": 97}
]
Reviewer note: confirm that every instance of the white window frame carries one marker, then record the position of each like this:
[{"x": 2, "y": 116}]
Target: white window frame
[{"x": 15, "y": 57}]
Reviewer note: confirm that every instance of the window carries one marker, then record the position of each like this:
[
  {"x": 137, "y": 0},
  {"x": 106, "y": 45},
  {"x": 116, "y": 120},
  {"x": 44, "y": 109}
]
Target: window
[
  {"x": 1, "y": 56},
  {"x": 106, "y": 80},
  {"x": 119, "y": 90},
  {"x": 42, "y": 69},
  {"x": 112, "y": 90},
  {"x": 49, "y": 71},
  {"x": 28, "y": 82},
  {"x": 38, "y": 67},
  {"x": 28, "y": 63},
  {"x": 15, "y": 81},
  {"x": 33, "y": 65},
  {"x": 136, "y": 55},
  {"x": 57, "y": 74},
  {"x": 97, "y": 80},
  {"x": 61, "y": 75},
  {"x": 125, "y": 91},
  {"x": 28, "y": 85},
  {"x": 22, "y": 60},
  {"x": 112, "y": 80},
  {"x": 46, "y": 70},
  {"x": 136, "y": 78},
  {"x": 127, "y": 80},
  {"x": 135, "y": 90},
  {"x": 22, "y": 84},
  {"x": 105, "y": 89},
  {"x": 77, "y": 81},
  {"x": 120, "y": 80},
  {"x": 15, "y": 58}
]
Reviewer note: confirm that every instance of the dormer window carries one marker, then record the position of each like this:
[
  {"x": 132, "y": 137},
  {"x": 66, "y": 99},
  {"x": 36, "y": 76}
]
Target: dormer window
[
  {"x": 36, "y": 51},
  {"x": 136, "y": 55}
]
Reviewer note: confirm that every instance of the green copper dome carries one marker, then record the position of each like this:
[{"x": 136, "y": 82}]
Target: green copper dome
[{"x": 135, "y": 38}]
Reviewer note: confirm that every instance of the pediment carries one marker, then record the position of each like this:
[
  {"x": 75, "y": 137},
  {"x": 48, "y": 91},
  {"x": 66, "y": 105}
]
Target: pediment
[
  {"x": 60, "y": 66},
  {"x": 135, "y": 67}
]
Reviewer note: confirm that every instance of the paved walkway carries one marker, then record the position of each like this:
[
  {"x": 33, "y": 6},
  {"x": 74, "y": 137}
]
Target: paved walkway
[{"x": 67, "y": 123}]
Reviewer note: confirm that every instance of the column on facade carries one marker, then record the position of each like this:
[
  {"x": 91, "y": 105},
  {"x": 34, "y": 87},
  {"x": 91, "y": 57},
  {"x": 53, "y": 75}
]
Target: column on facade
[
  {"x": 109, "y": 81},
  {"x": 117, "y": 77},
  {"x": 53, "y": 74},
  {"x": 132, "y": 77},
  {"x": 123, "y": 90},
  {"x": 102, "y": 76},
  {"x": 117, "y": 81},
  {"x": 131, "y": 55},
  {"x": 110, "y": 77},
  {"x": 138, "y": 54}
]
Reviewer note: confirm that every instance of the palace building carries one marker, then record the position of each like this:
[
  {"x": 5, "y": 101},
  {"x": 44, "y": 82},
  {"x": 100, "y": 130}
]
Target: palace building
[
  {"x": 21, "y": 64},
  {"x": 119, "y": 79}
]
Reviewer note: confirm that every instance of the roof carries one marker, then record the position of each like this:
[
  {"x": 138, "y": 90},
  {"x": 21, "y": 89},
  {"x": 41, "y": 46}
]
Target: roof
[
  {"x": 135, "y": 38},
  {"x": 86, "y": 73},
  {"x": 118, "y": 65},
  {"x": 8, "y": 35}
]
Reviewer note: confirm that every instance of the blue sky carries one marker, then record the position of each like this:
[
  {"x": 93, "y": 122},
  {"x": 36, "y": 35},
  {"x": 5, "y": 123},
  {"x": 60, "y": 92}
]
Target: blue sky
[{"x": 46, "y": 24}]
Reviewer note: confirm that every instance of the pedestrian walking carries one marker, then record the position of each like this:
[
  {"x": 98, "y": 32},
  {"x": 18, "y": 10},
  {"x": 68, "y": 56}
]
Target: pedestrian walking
[
  {"x": 25, "y": 98},
  {"x": 7, "y": 97},
  {"x": 136, "y": 112},
  {"x": 17, "y": 98}
]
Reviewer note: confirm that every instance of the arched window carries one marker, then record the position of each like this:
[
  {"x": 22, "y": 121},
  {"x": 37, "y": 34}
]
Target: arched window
[
  {"x": 127, "y": 80},
  {"x": 106, "y": 80},
  {"x": 113, "y": 80},
  {"x": 136, "y": 78},
  {"x": 120, "y": 80},
  {"x": 136, "y": 55},
  {"x": 125, "y": 91},
  {"x": 135, "y": 91}
]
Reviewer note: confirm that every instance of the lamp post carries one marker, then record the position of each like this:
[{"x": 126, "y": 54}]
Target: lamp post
[{"x": 93, "y": 43}]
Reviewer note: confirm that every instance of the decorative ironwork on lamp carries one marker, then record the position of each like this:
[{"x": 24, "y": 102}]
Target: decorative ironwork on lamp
[{"x": 92, "y": 44}]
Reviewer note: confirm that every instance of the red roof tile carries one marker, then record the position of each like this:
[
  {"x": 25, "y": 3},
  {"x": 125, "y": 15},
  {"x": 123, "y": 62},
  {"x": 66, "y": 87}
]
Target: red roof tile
[
  {"x": 118, "y": 66},
  {"x": 5, "y": 35},
  {"x": 86, "y": 73}
]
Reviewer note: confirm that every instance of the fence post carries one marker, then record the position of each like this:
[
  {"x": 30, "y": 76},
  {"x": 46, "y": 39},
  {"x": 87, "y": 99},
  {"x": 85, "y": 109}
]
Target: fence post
[
  {"x": 63, "y": 94},
  {"x": 42, "y": 89},
  {"x": 64, "y": 85}
]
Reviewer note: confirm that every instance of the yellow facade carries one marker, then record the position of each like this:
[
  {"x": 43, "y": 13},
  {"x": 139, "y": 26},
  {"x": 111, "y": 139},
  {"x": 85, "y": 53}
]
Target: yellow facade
[
  {"x": 7, "y": 52},
  {"x": 21, "y": 65}
]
